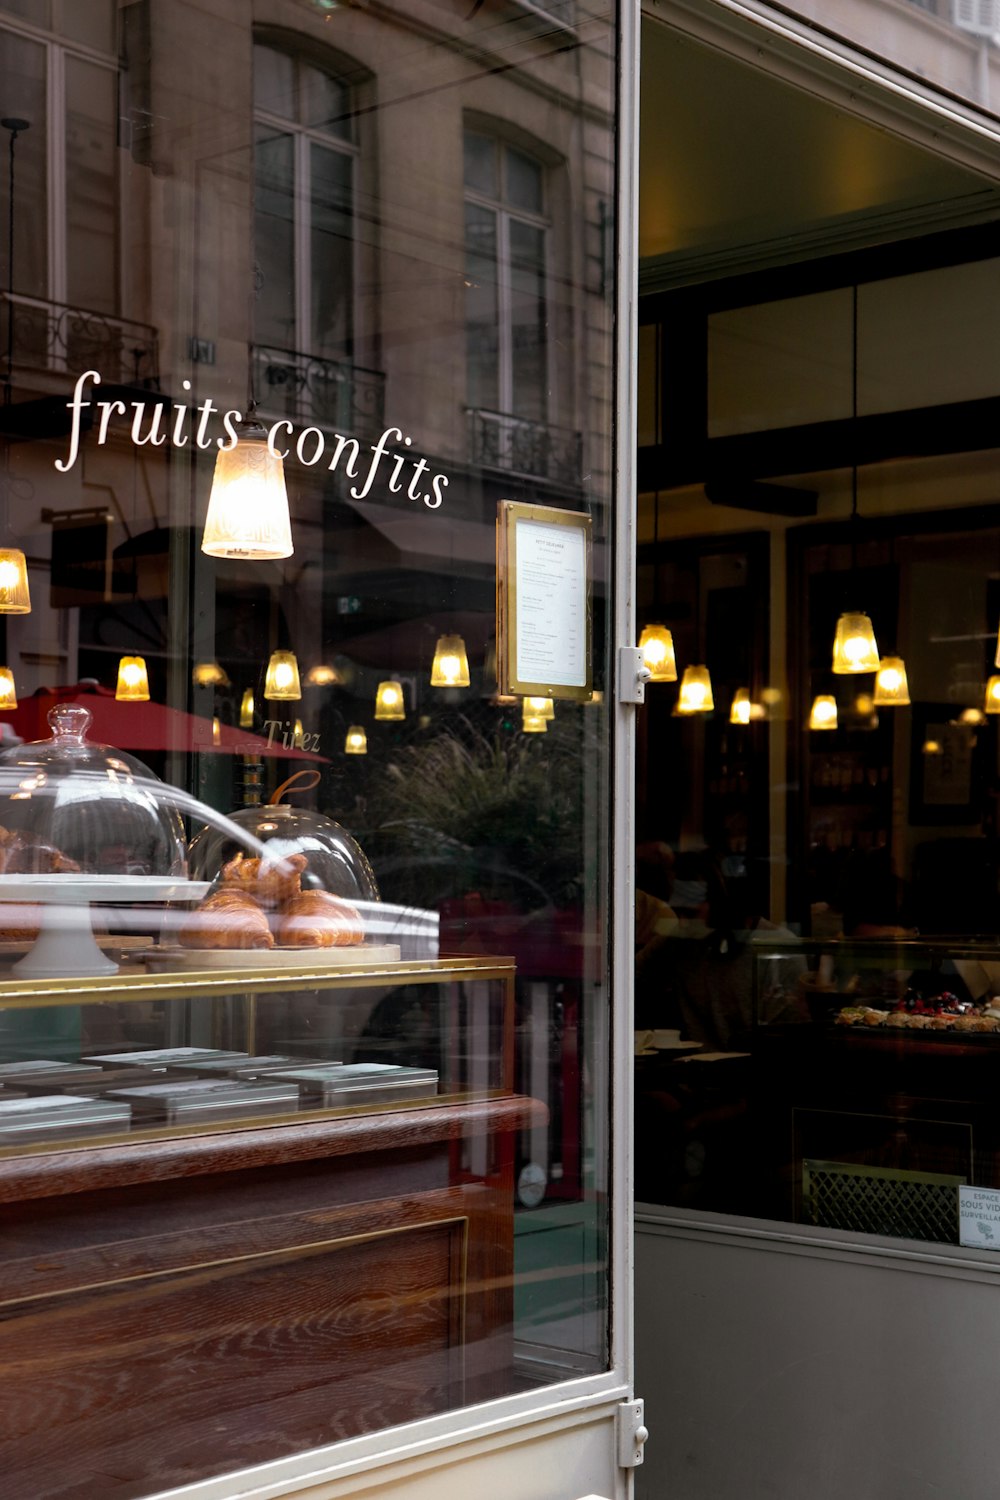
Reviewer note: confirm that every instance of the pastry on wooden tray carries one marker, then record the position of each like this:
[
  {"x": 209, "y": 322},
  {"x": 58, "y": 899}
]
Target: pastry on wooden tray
[
  {"x": 316, "y": 919},
  {"x": 227, "y": 919}
]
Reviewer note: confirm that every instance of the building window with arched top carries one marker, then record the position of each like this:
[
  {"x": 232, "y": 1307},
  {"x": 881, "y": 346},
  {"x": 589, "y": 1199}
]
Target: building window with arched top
[
  {"x": 305, "y": 163},
  {"x": 506, "y": 229}
]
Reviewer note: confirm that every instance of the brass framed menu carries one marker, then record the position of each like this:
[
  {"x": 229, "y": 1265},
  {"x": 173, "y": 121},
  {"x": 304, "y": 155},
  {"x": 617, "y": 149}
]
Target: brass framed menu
[{"x": 544, "y": 591}]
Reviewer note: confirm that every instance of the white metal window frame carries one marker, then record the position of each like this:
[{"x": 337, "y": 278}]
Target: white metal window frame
[
  {"x": 504, "y": 214},
  {"x": 57, "y": 49},
  {"x": 532, "y": 1415},
  {"x": 303, "y": 138}
]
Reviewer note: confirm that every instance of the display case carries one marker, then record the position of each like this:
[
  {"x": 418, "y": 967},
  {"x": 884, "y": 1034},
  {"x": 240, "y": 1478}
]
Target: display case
[
  {"x": 252, "y": 1209},
  {"x": 876, "y": 1065}
]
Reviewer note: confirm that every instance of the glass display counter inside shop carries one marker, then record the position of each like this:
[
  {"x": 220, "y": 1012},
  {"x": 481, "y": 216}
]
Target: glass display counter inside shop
[{"x": 150, "y": 982}]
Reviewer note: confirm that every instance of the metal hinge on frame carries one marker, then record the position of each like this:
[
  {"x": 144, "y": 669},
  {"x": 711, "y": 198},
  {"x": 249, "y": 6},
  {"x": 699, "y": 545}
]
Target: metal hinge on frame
[
  {"x": 633, "y": 674},
  {"x": 632, "y": 1434}
]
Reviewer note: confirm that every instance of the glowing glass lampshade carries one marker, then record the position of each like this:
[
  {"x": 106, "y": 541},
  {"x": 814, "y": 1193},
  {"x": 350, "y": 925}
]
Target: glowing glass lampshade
[
  {"x": 356, "y": 742},
  {"x": 8, "y": 694},
  {"x": 14, "y": 596},
  {"x": 208, "y": 674},
  {"x": 389, "y": 701},
  {"x": 695, "y": 696},
  {"x": 854, "y": 648},
  {"x": 972, "y": 716},
  {"x": 133, "y": 681},
  {"x": 450, "y": 667},
  {"x": 823, "y": 714},
  {"x": 248, "y": 507},
  {"x": 216, "y": 731},
  {"x": 891, "y": 688},
  {"x": 281, "y": 681},
  {"x": 534, "y": 724},
  {"x": 539, "y": 708},
  {"x": 322, "y": 676},
  {"x": 741, "y": 707},
  {"x": 657, "y": 646},
  {"x": 992, "y": 703},
  {"x": 932, "y": 747},
  {"x": 246, "y": 709}
]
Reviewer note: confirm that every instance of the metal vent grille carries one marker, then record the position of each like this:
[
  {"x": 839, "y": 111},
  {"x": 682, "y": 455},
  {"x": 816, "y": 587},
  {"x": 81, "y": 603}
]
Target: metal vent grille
[{"x": 878, "y": 1200}]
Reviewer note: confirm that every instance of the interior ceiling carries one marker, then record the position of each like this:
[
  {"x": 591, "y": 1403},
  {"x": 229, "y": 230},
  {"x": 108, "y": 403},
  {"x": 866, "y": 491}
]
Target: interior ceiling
[{"x": 738, "y": 170}]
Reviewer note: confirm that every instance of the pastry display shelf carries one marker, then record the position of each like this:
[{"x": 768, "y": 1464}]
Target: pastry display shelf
[
  {"x": 66, "y": 947},
  {"x": 140, "y": 985}
]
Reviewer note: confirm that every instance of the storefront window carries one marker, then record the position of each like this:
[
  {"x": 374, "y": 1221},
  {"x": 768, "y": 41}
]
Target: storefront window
[{"x": 304, "y": 975}]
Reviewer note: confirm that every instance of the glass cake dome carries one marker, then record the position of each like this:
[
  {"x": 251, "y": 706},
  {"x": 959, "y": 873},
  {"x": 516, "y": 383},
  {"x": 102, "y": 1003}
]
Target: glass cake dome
[
  {"x": 334, "y": 861},
  {"x": 69, "y": 806}
]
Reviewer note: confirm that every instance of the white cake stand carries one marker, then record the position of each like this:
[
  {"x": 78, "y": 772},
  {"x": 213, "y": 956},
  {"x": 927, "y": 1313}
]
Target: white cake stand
[{"x": 66, "y": 947}]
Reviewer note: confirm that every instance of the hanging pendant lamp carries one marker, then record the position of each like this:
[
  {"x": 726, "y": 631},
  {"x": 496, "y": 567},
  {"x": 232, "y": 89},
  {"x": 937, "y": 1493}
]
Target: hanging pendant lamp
[
  {"x": 248, "y": 506},
  {"x": 8, "y": 693},
  {"x": 208, "y": 674},
  {"x": 15, "y": 596},
  {"x": 695, "y": 696},
  {"x": 972, "y": 716},
  {"x": 539, "y": 708},
  {"x": 322, "y": 676},
  {"x": 823, "y": 714},
  {"x": 891, "y": 687},
  {"x": 281, "y": 681},
  {"x": 854, "y": 645},
  {"x": 356, "y": 742},
  {"x": 741, "y": 708},
  {"x": 450, "y": 667},
  {"x": 992, "y": 701},
  {"x": 657, "y": 646},
  {"x": 389, "y": 700},
  {"x": 133, "y": 680},
  {"x": 246, "y": 709},
  {"x": 534, "y": 724}
]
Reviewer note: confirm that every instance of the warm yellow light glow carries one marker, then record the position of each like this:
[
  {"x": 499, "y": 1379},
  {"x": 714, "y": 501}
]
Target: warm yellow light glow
[
  {"x": 992, "y": 703},
  {"x": 356, "y": 742},
  {"x": 695, "y": 696},
  {"x": 891, "y": 687},
  {"x": 281, "y": 681},
  {"x": 133, "y": 681},
  {"x": 854, "y": 648},
  {"x": 208, "y": 674},
  {"x": 450, "y": 667},
  {"x": 823, "y": 714},
  {"x": 657, "y": 646},
  {"x": 996, "y": 659},
  {"x": 216, "y": 731},
  {"x": 246, "y": 709},
  {"x": 14, "y": 596},
  {"x": 931, "y": 747},
  {"x": 972, "y": 716},
  {"x": 771, "y": 697},
  {"x": 8, "y": 694},
  {"x": 248, "y": 507},
  {"x": 389, "y": 701},
  {"x": 322, "y": 676},
  {"x": 534, "y": 724},
  {"x": 740, "y": 709},
  {"x": 539, "y": 708},
  {"x": 297, "y": 734}
]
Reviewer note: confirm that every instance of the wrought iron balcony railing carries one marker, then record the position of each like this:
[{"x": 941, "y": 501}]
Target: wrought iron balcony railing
[
  {"x": 58, "y": 339},
  {"x": 322, "y": 392},
  {"x": 534, "y": 450}
]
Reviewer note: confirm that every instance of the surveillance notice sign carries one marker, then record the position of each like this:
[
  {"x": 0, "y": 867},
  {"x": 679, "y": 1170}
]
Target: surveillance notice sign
[{"x": 979, "y": 1217}]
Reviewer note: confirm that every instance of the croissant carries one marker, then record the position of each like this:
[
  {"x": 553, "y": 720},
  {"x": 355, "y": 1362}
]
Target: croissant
[
  {"x": 315, "y": 919},
  {"x": 271, "y": 882},
  {"x": 226, "y": 919}
]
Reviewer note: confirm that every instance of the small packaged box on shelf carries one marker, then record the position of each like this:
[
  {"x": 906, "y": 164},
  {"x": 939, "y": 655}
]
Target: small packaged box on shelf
[
  {"x": 204, "y": 1100},
  {"x": 51, "y": 1116},
  {"x": 361, "y": 1083},
  {"x": 162, "y": 1057},
  {"x": 251, "y": 1067}
]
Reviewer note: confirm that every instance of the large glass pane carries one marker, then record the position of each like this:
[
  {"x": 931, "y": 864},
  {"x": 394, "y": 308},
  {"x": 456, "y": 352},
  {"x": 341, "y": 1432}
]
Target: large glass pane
[
  {"x": 22, "y": 78},
  {"x": 481, "y": 307},
  {"x": 274, "y": 239},
  {"x": 92, "y": 23},
  {"x": 524, "y": 181},
  {"x": 283, "y": 818},
  {"x": 332, "y": 252},
  {"x": 37, "y": 11},
  {"x": 91, "y": 186},
  {"x": 481, "y": 164},
  {"x": 528, "y": 320}
]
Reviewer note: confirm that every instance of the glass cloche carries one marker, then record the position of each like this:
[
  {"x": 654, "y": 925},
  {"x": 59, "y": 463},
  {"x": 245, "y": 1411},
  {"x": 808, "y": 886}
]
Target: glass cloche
[
  {"x": 69, "y": 806},
  {"x": 334, "y": 861}
]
